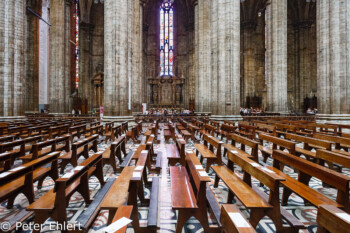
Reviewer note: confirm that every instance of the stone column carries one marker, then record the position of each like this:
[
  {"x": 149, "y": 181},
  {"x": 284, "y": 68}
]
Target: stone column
[
  {"x": 232, "y": 87},
  {"x": 333, "y": 57},
  {"x": 122, "y": 74},
  {"x": 276, "y": 66},
  {"x": 44, "y": 54},
  {"x": 32, "y": 57},
  {"x": 12, "y": 57},
  {"x": 196, "y": 61},
  {"x": 136, "y": 68},
  {"x": 202, "y": 35},
  {"x": 59, "y": 85},
  {"x": 217, "y": 43}
]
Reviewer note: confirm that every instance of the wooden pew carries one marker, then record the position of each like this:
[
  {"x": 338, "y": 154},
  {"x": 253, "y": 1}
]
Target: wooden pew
[
  {"x": 150, "y": 147},
  {"x": 132, "y": 134},
  {"x": 7, "y": 138},
  {"x": 184, "y": 132},
  {"x": 113, "y": 133},
  {"x": 246, "y": 130},
  {"x": 193, "y": 131},
  {"x": 340, "y": 142},
  {"x": 307, "y": 170},
  {"x": 254, "y": 200},
  {"x": 172, "y": 132},
  {"x": 176, "y": 152},
  {"x": 207, "y": 151},
  {"x": 190, "y": 193},
  {"x": 62, "y": 143},
  {"x": 118, "y": 194},
  {"x": 207, "y": 129},
  {"x": 309, "y": 144},
  {"x": 122, "y": 212},
  {"x": 167, "y": 134},
  {"x": 21, "y": 179},
  {"x": 79, "y": 148},
  {"x": 125, "y": 127},
  {"x": 6, "y": 160},
  {"x": 305, "y": 129},
  {"x": 39, "y": 149},
  {"x": 277, "y": 143},
  {"x": 230, "y": 123},
  {"x": 331, "y": 158},
  {"x": 77, "y": 131},
  {"x": 232, "y": 220},
  {"x": 28, "y": 143},
  {"x": 327, "y": 129},
  {"x": 97, "y": 129},
  {"x": 332, "y": 219},
  {"x": 128, "y": 186},
  {"x": 282, "y": 129},
  {"x": 114, "y": 150},
  {"x": 215, "y": 124},
  {"x": 54, "y": 203},
  {"x": 87, "y": 217},
  {"x": 265, "y": 129},
  {"x": 244, "y": 142},
  {"x": 36, "y": 130},
  {"x": 57, "y": 131},
  {"x": 225, "y": 130}
]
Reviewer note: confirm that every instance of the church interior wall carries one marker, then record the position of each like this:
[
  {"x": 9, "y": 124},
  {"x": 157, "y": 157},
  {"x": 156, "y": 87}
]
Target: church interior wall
[{"x": 203, "y": 37}]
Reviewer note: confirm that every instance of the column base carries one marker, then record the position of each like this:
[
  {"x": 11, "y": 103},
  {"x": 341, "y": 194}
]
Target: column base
[
  {"x": 226, "y": 117},
  {"x": 118, "y": 118},
  {"x": 333, "y": 118}
]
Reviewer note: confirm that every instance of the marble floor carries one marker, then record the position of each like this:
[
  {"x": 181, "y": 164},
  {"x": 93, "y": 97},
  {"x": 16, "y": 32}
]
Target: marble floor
[{"x": 168, "y": 217}]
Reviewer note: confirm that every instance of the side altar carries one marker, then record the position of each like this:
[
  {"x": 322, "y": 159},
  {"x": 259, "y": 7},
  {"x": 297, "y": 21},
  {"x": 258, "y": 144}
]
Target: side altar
[{"x": 166, "y": 92}]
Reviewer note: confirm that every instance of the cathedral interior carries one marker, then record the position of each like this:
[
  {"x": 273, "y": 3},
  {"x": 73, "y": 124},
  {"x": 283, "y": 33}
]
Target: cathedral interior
[
  {"x": 171, "y": 116},
  {"x": 83, "y": 54}
]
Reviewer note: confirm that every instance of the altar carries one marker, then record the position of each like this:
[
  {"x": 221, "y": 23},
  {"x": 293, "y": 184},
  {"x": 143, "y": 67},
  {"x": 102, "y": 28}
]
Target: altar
[{"x": 166, "y": 92}]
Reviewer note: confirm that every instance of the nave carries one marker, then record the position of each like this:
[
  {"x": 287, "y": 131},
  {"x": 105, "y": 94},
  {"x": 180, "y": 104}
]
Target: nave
[{"x": 167, "y": 143}]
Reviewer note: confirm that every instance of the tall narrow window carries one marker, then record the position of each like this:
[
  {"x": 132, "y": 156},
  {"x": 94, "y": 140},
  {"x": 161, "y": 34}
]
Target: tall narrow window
[
  {"x": 166, "y": 38},
  {"x": 76, "y": 16}
]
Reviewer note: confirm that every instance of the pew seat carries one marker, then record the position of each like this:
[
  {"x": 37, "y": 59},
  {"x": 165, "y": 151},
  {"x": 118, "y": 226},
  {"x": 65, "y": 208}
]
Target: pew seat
[{"x": 241, "y": 189}]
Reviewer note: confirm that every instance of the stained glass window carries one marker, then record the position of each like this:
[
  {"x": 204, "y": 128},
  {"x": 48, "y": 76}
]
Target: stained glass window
[
  {"x": 76, "y": 16},
  {"x": 166, "y": 38}
]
